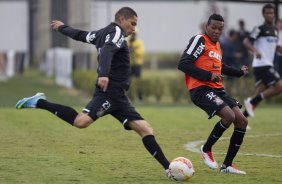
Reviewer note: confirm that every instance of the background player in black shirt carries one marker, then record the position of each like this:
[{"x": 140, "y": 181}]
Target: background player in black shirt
[{"x": 113, "y": 80}]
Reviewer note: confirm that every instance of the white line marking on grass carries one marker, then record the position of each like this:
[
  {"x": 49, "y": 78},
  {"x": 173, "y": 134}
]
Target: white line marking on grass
[{"x": 192, "y": 146}]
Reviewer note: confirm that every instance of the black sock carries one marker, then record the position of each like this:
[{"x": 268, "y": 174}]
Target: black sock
[
  {"x": 216, "y": 133},
  {"x": 153, "y": 147},
  {"x": 256, "y": 100},
  {"x": 234, "y": 146},
  {"x": 246, "y": 114},
  {"x": 66, "y": 113}
]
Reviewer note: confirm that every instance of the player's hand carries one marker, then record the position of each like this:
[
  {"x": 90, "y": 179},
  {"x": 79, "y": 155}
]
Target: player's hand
[
  {"x": 103, "y": 83},
  {"x": 216, "y": 77},
  {"x": 257, "y": 55},
  {"x": 244, "y": 69},
  {"x": 55, "y": 24}
]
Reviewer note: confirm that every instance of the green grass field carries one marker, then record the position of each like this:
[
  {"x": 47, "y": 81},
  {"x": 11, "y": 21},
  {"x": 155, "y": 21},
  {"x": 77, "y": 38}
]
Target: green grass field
[{"x": 36, "y": 147}]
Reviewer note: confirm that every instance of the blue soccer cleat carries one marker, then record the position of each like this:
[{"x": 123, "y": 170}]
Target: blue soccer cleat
[{"x": 30, "y": 102}]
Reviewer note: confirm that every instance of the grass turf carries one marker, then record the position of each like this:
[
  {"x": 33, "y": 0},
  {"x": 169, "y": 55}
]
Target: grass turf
[{"x": 37, "y": 147}]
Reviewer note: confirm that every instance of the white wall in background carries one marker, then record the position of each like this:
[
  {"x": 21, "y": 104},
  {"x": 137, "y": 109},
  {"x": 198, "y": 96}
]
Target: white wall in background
[
  {"x": 14, "y": 25},
  {"x": 167, "y": 26}
]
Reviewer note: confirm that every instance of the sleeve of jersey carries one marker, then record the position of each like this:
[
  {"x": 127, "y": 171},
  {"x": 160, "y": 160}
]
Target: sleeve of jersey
[
  {"x": 228, "y": 70},
  {"x": 254, "y": 34},
  {"x": 113, "y": 42},
  {"x": 75, "y": 34},
  {"x": 279, "y": 43},
  {"x": 194, "y": 50}
]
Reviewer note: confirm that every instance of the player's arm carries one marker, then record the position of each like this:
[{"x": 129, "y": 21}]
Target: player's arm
[
  {"x": 231, "y": 71},
  {"x": 114, "y": 41},
  {"x": 193, "y": 51},
  {"x": 279, "y": 44},
  {"x": 75, "y": 34},
  {"x": 279, "y": 48},
  {"x": 248, "y": 42}
]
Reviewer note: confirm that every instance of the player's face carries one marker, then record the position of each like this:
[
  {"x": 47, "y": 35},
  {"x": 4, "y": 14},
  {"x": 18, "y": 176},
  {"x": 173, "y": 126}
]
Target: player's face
[
  {"x": 214, "y": 29},
  {"x": 128, "y": 25},
  {"x": 269, "y": 15}
]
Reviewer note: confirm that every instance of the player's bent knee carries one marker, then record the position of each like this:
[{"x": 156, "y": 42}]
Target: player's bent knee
[
  {"x": 227, "y": 115},
  {"x": 229, "y": 119},
  {"x": 82, "y": 121},
  {"x": 80, "y": 125},
  {"x": 280, "y": 89},
  {"x": 279, "y": 86}
]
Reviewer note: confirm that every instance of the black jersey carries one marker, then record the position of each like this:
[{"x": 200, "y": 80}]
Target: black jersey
[{"x": 113, "y": 52}]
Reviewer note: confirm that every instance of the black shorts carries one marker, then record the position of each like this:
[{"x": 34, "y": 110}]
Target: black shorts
[
  {"x": 212, "y": 100},
  {"x": 113, "y": 102},
  {"x": 266, "y": 75}
]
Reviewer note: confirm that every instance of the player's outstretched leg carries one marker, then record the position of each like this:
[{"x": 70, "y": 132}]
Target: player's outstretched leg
[{"x": 66, "y": 113}]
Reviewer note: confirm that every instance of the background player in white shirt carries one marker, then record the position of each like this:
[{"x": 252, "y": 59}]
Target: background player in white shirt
[{"x": 263, "y": 42}]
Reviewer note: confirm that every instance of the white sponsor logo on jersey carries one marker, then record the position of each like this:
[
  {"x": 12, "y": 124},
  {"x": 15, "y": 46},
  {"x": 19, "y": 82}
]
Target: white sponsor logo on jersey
[
  {"x": 215, "y": 55},
  {"x": 199, "y": 50},
  {"x": 271, "y": 40}
]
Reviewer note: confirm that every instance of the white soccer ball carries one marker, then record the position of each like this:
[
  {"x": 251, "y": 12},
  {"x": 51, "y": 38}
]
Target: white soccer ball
[{"x": 181, "y": 169}]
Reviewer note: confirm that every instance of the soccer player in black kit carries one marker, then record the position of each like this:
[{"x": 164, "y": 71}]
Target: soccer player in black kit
[{"x": 113, "y": 80}]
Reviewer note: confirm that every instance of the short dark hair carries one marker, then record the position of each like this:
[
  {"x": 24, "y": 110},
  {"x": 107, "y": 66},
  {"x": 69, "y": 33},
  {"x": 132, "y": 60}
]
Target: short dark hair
[
  {"x": 232, "y": 32},
  {"x": 215, "y": 17},
  {"x": 127, "y": 12},
  {"x": 267, "y": 6},
  {"x": 241, "y": 22}
]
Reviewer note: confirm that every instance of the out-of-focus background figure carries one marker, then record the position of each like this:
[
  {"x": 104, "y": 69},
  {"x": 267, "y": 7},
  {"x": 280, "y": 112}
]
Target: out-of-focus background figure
[
  {"x": 242, "y": 33},
  {"x": 2, "y": 67},
  {"x": 231, "y": 57},
  {"x": 263, "y": 43},
  {"x": 278, "y": 55},
  {"x": 137, "y": 50}
]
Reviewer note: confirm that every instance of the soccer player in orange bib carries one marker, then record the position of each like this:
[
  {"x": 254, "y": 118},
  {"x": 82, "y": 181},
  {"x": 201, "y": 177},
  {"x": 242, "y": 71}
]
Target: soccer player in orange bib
[{"x": 201, "y": 63}]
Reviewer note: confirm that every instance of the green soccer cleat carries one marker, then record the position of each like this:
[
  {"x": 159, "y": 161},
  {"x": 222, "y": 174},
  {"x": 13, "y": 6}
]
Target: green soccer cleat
[{"x": 30, "y": 102}]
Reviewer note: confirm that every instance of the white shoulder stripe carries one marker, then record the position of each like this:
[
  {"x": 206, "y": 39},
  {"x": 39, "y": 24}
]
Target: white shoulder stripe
[
  {"x": 88, "y": 37},
  {"x": 194, "y": 43},
  {"x": 117, "y": 35},
  {"x": 255, "y": 32}
]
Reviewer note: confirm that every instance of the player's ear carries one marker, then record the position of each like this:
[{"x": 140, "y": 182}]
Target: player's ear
[{"x": 122, "y": 19}]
